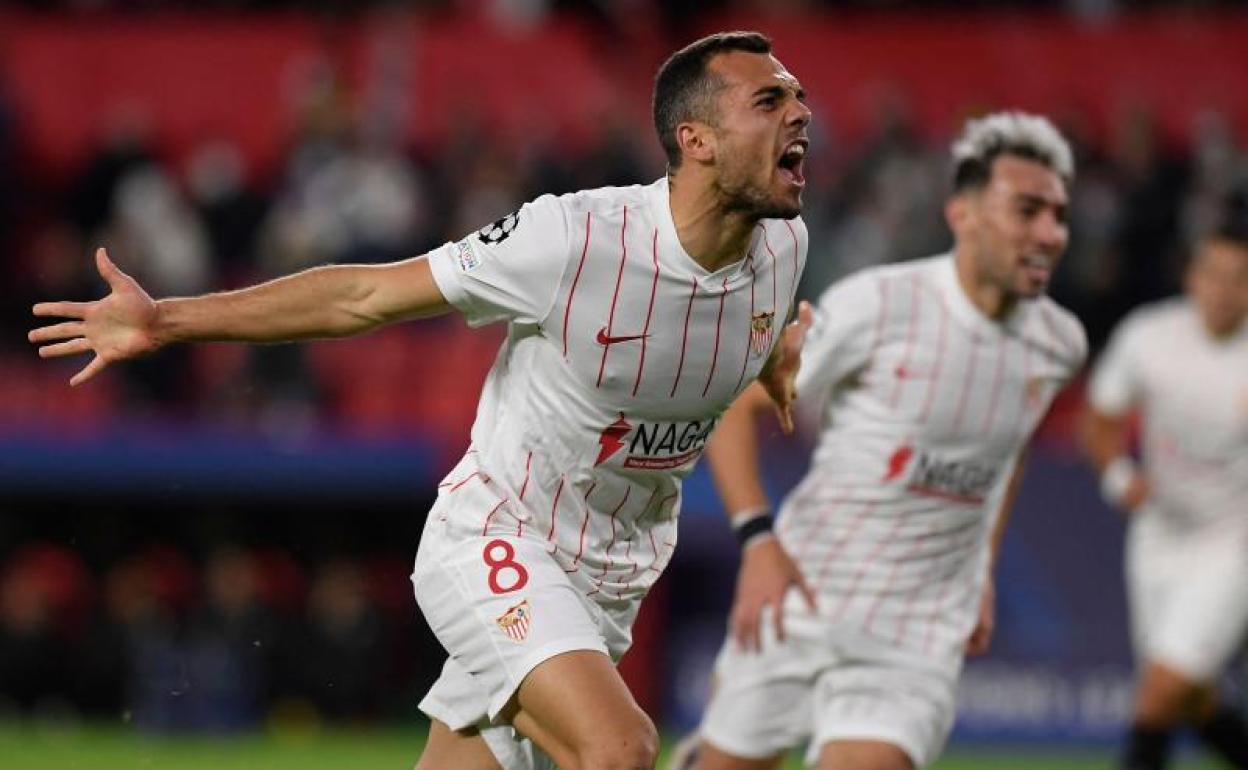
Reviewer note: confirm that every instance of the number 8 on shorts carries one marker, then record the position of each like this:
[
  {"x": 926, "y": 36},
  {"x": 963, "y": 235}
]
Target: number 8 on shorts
[{"x": 506, "y": 563}]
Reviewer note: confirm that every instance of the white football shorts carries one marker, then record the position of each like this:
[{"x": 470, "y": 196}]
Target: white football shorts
[
  {"x": 501, "y": 605},
  {"x": 824, "y": 684},
  {"x": 1185, "y": 589}
]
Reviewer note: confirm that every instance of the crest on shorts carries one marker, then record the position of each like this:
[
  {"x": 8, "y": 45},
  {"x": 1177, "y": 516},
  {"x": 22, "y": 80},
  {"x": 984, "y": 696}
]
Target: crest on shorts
[
  {"x": 760, "y": 332},
  {"x": 515, "y": 621}
]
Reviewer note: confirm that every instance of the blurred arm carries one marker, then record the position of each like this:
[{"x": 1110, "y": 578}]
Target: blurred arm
[
  {"x": 733, "y": 453},
  {"x": 767, "y": 572},
  {"x": 1006, "y": 510},
  {"x": 1104, "y": 437},
  {"x": 985, "y": 625}
]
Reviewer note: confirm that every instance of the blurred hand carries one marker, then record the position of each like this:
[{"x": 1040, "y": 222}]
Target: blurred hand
[
  {"x": 115, "y": 328},
  {"x": 766, "y": 575},
  {"x": 981, "y": 637},
  {"x": 1137, "y": 493},
  {"x": 779, "y": 377}
]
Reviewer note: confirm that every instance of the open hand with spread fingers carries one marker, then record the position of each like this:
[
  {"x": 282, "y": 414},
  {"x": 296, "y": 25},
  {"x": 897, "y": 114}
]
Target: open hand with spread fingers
[
  {"x": 118, "y": 327},
  {"x": 779, "y": 377}
]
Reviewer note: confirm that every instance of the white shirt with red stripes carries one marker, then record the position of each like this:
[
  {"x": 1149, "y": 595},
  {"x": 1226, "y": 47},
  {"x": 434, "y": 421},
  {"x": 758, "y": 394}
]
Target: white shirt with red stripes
[
  {"x": 1192, "y": 392},
  {"x": 621, "y": 354},
  {"x": 926, "y": 404}
]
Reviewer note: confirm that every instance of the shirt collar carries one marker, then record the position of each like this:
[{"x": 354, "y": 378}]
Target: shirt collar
[
  {"x": 659, "y": 197},
  {"x": 961, "y": 306}
]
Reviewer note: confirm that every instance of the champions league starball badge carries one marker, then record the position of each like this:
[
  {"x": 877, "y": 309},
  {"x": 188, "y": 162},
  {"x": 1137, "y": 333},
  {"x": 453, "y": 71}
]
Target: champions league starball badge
[{"x": 500, "y": 230}]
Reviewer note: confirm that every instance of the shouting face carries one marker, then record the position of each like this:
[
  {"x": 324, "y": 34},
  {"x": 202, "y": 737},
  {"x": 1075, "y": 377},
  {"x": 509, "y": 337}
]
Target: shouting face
[{"x": 758, "y": 139}]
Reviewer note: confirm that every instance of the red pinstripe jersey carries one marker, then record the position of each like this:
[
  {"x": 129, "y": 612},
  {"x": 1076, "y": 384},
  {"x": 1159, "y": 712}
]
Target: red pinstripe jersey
[
  {"x": 622, "y": 353},
  {"x": 926, "y": 404},
  {"x": 1192, "y": 392}
]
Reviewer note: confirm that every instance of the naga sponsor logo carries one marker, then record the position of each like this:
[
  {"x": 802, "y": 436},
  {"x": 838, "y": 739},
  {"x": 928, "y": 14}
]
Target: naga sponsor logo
[
  {"x": 959, "y": 481},
  {"x": 654, "y": 446}
]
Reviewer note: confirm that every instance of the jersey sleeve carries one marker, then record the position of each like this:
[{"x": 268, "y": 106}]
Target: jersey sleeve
[
  {"x": 1115, "y": 386},
  {"x": 508, "y": 270},
  {"x": 840, "y": 339}
]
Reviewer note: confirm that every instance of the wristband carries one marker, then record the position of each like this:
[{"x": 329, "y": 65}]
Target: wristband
[
  {"x": 1116, "y": 479},
  {"x": 752, "y": 524}
]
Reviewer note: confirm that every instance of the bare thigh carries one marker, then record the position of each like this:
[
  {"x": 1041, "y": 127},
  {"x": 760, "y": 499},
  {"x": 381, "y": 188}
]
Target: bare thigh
[
  {"x": 578, "y": 710},
  {"x": 447, "y": 749},
  {"x": 863, "y": 755}
]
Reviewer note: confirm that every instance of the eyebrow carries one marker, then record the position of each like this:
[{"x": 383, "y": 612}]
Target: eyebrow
[
  {"x": 778, "y": 91},
  {"x": 1041, "y": 200}
]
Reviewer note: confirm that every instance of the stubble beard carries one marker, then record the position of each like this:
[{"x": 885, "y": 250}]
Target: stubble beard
[{"x": 738, "y": 195}]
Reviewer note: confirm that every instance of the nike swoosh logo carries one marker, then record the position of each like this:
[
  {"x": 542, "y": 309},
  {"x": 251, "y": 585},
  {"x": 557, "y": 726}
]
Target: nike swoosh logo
[{"x": 606, "y": 339}]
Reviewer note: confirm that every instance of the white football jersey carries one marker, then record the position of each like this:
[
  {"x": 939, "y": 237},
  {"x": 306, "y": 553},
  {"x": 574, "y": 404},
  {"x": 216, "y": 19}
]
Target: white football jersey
[
  {"x": 1192, "y": 392},
  {"x": 926, "y": 406},
  {"x": 621, "y": 354}
]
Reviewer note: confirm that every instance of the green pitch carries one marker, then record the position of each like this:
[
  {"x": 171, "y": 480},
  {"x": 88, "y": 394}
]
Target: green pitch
[{"x": 104, "y": 748}]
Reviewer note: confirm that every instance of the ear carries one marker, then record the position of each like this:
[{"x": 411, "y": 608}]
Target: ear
[
  {"x": 959, "y": 212},
  {"x": 697, "y": 141}
]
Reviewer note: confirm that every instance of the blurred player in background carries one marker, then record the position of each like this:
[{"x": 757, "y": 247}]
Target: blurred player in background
[
  {"x": 850, "y": 623},
  {"x": 635, "y": 316},
  {"x": 1182, "y": 366}
]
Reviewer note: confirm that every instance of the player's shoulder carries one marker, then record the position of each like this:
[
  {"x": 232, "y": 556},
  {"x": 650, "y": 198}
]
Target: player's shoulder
[
  {"x": 607, "y": 202},
  {"x": 862, "y": 291},
  {"x": 876, "y": 277},
  {"x": 1065, "y": 329},
  {"x": 1153, "y": 317}
]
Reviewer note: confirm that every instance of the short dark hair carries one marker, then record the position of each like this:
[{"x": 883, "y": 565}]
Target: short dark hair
[{"x": 685, "y": 90}]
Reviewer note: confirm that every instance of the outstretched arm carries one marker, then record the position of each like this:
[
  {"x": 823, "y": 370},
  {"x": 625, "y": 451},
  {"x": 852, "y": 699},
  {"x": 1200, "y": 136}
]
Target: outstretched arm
[{"x": 331, "y": 301}]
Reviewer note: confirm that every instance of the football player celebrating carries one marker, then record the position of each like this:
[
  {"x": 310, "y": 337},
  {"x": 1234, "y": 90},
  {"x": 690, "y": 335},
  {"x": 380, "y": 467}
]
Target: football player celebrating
[{"x": 635, "y": 316}]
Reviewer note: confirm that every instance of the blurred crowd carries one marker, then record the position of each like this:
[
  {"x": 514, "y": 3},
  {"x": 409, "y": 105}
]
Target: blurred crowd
[
  {"x": 220, "y": 642},
  {"x": 348, "y": 192},
  {"x": 607, "y": 9}
]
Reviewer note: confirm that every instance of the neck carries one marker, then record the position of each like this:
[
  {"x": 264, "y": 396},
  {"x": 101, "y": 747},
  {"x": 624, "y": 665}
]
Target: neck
[
  {"x": 711, "y": 235},
  {"x": 1225, "y": 333},
  {"x": 985, "y": 294}
]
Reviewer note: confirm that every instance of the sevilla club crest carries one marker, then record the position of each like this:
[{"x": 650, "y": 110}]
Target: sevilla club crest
[
  {"x": 760, "y": 333},
  {"x": 515, "y": 621}
]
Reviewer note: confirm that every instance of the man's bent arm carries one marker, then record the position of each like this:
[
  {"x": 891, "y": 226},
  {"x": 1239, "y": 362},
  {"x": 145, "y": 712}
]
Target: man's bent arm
[
  {"x": 1104, "y": 437},
  {"x": 732, "y": 453},
  {"x": 1007, "y": 508}
]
